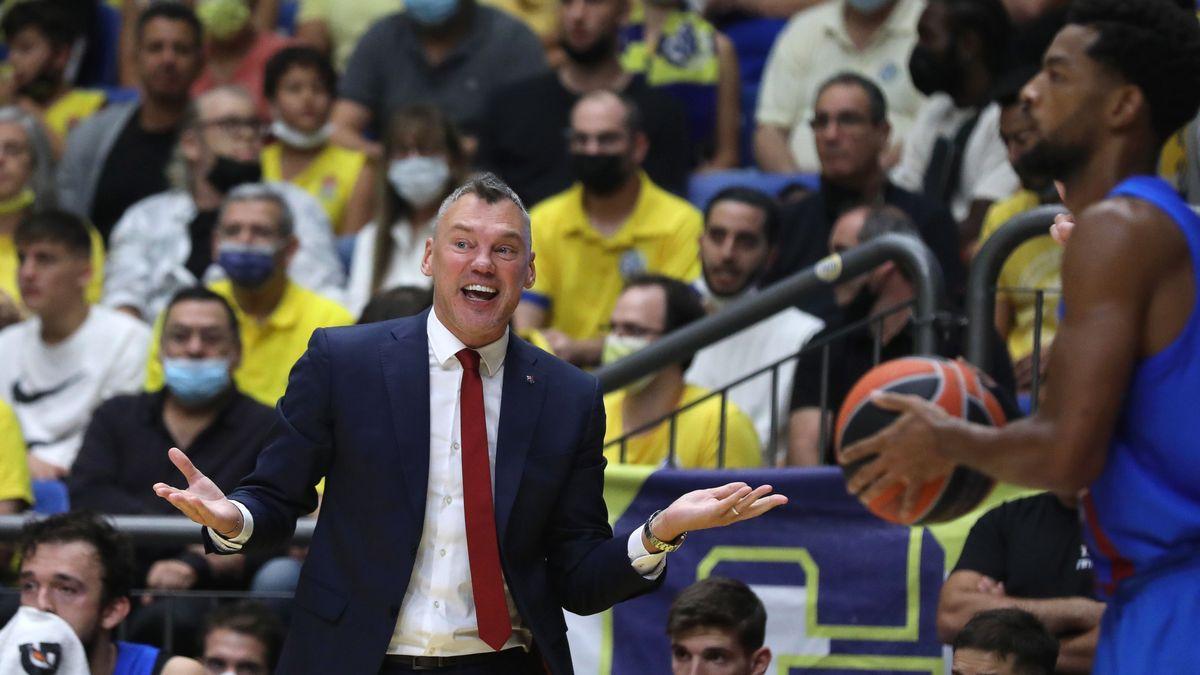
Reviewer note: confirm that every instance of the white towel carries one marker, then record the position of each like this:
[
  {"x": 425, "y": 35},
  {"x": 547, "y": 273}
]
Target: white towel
[{"x": 40, "y": 643}]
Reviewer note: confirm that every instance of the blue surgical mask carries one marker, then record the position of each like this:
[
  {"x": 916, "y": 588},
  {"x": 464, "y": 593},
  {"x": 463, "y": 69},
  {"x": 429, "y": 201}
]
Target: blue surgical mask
[
  {"x": 868, "y": 6},
  {"x": 430, "y": 12},
  {"x": 196, "y": 381},
  {"x": 247, "y": 265}
]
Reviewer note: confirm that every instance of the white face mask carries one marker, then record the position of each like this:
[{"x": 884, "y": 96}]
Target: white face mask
[
  {"x": 419, "y": 180},
  {"x": 294, "y": 138},
  {"x": 617, "y": 347}
]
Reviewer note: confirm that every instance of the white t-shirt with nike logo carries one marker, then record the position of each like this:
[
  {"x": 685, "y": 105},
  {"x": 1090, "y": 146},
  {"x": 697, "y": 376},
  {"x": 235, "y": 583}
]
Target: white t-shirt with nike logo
[{"x": 54, "y": 389}]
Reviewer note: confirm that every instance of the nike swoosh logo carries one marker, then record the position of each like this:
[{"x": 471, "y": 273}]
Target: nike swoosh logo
[{"x": 25, "y": 398}]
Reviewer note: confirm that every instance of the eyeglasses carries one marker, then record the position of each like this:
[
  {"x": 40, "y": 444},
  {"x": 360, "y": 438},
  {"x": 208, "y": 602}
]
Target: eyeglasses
[
  {"x": 849, "y": 121},
  {"x": 237, "y": 125},
  {"x": 14, "y": 149},
  {"x": 630, "y": 329},
  {"x": 258, "y": 233},
  {"x": 209, "y": 337}
]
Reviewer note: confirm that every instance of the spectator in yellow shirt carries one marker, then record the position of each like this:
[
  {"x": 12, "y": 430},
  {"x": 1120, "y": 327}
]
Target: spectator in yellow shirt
[
  {"x": 16, "y": 492},
  {"x": 612, "y": 224},
  {"x": 40, "y": 36},
  {"x": 253, "y": 244},
  {"x": 636, "y": 431},
  {"x": 26, "y": 184},
  {"x": 299, "y": 83}
]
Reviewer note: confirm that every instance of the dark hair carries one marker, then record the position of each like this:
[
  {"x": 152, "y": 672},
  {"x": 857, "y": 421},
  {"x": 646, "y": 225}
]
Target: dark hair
[
  {"x": 886, "y": 219},
  {"x": 57, "y": 226},
  {"x": 203, "y": 294},
  {"x": 717, "y": 602},
  {"x": 875, "y": 96},
  {"x": 252, "y": 618},
  {"x": 113, "y": 548},
  {"x": 297, "y": 57},
  {"x": 990, "y": 21},
  {"x": 751, "y": 197},
  {"x": 171, "y": 11},
  {"x": 1154, "y": 45},
  {"x": 47, "y": 18},
  {"x": 395, "y": 303},
  {"x": 682, "y": 303},
  {"x": 416, "y": 118},
  {"x": 1011, "y": 632}
]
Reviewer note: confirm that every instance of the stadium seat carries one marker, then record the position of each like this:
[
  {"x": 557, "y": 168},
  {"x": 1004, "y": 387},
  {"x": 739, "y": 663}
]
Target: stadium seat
[
  {"x": 703, "y": 186},
  {"x": 50, "y": 497}
]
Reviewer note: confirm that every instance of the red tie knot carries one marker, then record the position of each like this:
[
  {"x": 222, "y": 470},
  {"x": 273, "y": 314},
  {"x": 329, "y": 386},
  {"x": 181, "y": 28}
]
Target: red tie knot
[{"x": 469, "y": 358}]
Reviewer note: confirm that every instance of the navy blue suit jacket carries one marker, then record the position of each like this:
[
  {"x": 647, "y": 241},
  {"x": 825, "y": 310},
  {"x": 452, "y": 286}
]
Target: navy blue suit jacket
[{"x": 356, "y": 411}]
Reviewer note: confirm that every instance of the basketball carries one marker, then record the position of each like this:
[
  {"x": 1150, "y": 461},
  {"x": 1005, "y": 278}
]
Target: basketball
[{"x": 954, "y": 387}]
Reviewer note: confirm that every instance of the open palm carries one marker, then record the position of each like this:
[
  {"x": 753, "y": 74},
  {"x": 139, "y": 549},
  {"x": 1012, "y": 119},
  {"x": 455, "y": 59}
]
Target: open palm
[{"x": 202, "y": 501}]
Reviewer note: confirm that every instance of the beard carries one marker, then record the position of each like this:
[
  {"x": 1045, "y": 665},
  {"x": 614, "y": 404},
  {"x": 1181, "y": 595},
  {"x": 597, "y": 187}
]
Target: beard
[
  {"x": 603, "y": 48},
  {"x": 1049, "y": 160}
]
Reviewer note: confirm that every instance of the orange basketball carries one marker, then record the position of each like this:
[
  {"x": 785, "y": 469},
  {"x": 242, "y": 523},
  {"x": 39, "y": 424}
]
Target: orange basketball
[{"x": 955, "y": 388}]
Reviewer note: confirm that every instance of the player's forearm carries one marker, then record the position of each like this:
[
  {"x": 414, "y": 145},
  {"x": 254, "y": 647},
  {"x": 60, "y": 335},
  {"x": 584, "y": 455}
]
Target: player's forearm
[
  {"x": 1033, "y": 452},
  {"x": 1075, "y": 653}
]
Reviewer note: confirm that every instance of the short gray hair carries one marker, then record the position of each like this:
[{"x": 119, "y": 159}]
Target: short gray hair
[
  {"x": 886, "y": 219},
  {"x": 488, "y": 187},
  {"x": 41, "y": 179},
  {"x": 261, "y": 192}
]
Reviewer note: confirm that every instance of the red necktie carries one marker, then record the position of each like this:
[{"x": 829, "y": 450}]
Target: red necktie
[{"x": 483, "y": 551}]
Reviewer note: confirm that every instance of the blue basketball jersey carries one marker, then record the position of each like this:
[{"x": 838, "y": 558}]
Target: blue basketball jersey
[
  {"x": 136, "y": 659},
  {"x": 1143, "y": 512}
]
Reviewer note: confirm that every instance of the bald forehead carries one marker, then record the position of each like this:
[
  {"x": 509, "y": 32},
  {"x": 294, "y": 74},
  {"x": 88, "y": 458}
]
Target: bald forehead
[
  {"x": 849, "y": 226},
  {"x": 222, "y": 102},
  {"x": 604, "y": 109}
]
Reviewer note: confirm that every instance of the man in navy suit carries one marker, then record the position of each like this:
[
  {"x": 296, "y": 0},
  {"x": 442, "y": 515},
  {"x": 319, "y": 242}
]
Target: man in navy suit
[{"x": 415, "y": 424}]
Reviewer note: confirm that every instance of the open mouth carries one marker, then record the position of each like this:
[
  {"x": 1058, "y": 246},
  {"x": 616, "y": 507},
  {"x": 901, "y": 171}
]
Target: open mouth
[{"x": 479, "y": 292}]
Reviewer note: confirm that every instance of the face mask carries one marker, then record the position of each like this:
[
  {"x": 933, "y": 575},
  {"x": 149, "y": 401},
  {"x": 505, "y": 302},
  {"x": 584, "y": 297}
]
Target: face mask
[
  {"x": 431, "y": 12},
  {"x": 294, "y": 138},
  {"x": 222, "y": 19},
  {"x": 617, "y": 347},
  {"x": 597, "y": 52},
  {"x": 228, "y": 173},
  {"x": 247, "y": 265},
  {"x": 195, "y": 382},
  {"x": 601, "y": 174},
  {"x": 932, "y": 73},
  {"x": 868, "y": 6},
  {"x": 419, "y": 180}
]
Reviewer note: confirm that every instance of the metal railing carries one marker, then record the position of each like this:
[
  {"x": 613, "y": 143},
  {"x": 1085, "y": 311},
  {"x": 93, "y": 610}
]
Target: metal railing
[
  {"x": 151, "y": 530},
  {"x": 909, "y": 252}
]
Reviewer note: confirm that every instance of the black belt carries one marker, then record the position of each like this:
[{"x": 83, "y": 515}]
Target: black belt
[{"x": 439, "y": 662}]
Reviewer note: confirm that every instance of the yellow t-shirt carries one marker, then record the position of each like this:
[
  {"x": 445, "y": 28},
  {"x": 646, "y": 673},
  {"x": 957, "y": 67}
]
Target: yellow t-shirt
[
  {"x": 329, "y": 178},
  {"x": 697, "y": 429},
  {"x": 74, "y": 107},
  {"x": 9, "y": 266},
  {"x": 540, "y": 15},
  {"x": 346, "y": 21},
  {"x": 580, "y": 272},
  {"x": 271, "y": 347},
  {"x": 1036, "y": 264},
  {"x": 14, "y": 469}
]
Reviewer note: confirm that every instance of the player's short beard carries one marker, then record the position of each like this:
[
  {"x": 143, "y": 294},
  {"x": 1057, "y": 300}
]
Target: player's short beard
[{"x": 1053, "y": 160}]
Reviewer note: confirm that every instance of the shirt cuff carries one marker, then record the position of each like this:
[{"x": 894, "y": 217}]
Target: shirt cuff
[
  {"x": 227, "y": 545},
  {"x": 649, "y": 565}
]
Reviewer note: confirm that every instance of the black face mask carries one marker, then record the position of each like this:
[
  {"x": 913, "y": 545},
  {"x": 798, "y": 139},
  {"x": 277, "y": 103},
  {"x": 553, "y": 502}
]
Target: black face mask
[
  {"x": 228, "y": 173},
  {"x": 602, "y": 174},
  {"x": 932, "y": 73},
  {"x": 593, "y": 54}
]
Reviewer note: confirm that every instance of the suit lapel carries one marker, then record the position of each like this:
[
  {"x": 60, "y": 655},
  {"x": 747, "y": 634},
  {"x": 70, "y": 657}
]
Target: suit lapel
[
  {"x": 520, "y": 408},
  {"x": 406, "y": 375}
]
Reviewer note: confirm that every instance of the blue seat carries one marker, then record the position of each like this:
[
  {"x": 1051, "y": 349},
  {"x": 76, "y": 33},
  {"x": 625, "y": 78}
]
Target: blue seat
[
  {"x": 50, "y": 497},
  {"x": 702, "y": 187},
  {"x": 752, "y": 39},
  {"x": 285, "y": 21}
]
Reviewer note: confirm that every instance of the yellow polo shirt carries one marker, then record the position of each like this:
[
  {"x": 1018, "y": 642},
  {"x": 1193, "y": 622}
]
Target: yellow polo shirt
[
  {"x": 74, "y": 107},
  {"x": 697, "y": 429},
  {"x": 14, "y": 470},
  {"x": 580, "y": 272},
  {"x": 1035, "y": 264},
  {"x": 271, "y": 347},
  {"x": 9, "y": 266},
  {"x": 329, "y": 177}
]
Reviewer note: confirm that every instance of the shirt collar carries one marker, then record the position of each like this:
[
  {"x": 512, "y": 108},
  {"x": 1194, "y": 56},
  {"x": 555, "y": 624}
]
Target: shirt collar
[
  {"x": 639, "y": 224},
  {"x": 445, "y": 345}
]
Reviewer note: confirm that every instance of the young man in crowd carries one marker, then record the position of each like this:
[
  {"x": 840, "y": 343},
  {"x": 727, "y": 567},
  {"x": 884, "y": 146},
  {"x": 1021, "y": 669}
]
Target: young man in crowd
[{"x": 717, "y": 626}]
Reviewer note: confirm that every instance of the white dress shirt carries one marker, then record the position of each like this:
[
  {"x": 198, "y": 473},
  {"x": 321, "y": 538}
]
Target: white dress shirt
[{"x": 437, "y": 615}]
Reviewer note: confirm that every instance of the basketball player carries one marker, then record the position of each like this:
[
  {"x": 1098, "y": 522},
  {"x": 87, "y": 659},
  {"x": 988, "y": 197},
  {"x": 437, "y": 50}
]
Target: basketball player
[{"x": 1120, "y": 414}]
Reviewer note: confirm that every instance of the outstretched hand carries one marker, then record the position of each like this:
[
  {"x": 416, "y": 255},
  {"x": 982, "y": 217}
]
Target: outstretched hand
[
  {"x": 202, "y": 501},
  {"x": 715, "y": 507}
]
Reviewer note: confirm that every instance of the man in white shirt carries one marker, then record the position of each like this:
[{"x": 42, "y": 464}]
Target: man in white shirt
[
  {"x": 741, "y": 230},
  {"x": 953, "y": 152},
  {"x": 872, "y": 38},
  {"x": 414, "y": 563},
  {"x": 67, "y": 358}
]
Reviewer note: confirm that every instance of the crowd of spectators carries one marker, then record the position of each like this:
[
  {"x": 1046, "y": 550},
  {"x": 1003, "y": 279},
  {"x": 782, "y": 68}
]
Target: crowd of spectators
[{"x": 188, "y": 193}]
